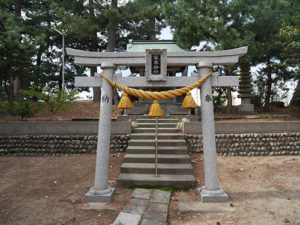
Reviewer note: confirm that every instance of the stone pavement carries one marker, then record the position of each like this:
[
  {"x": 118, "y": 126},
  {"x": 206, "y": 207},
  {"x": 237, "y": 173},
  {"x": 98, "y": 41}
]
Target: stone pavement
[{"x": 146, "y": 207}]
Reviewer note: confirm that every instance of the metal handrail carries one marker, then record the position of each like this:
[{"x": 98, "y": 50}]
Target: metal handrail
[{"x": 156, "y": 146}]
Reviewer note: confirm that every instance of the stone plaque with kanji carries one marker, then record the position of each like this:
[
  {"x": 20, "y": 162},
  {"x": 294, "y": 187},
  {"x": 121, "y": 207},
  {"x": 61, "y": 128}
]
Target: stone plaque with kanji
[{"x": 156, "y": 64}]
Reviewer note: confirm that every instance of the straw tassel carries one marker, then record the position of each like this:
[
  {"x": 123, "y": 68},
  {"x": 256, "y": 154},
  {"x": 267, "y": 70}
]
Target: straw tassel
[
  {"x": 155, "y": 110},
  {"x": 125, "y": 102},
  {"x": 189, "y": 102}
]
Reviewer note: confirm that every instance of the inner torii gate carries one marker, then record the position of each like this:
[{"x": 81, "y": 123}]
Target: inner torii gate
[{"x": 203, "y": 61}]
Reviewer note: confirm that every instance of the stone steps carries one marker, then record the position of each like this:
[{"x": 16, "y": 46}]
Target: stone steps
[
  {"x": 174, "y": 167},
  {"x": 179, "y": 181},
  {"x": 152, "y": 130},
  {"x": 164, "y": 120},
  {"x": 165, "y": 142},
  {"x": 160, "y": 125},
  {"x": 146, "y": 136},
  {"x": 163, "y": 168},
  {"x": 177, "y": 117},
  {"x": 161, "y": 158},
  {"x": 161, "y": 150}
]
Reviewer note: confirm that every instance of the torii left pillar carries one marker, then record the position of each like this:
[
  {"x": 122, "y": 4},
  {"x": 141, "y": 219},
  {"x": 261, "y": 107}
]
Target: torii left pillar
[{"x": 101, "y": 192}]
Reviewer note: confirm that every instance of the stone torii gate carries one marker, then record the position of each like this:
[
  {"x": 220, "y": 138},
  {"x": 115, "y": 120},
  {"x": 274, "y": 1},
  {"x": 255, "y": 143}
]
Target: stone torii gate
[{"x": 203, "y": 61}]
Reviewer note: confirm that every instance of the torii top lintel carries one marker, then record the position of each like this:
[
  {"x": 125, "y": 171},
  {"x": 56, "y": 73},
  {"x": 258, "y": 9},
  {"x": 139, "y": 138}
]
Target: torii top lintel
[{"x": 224, "y": 57}]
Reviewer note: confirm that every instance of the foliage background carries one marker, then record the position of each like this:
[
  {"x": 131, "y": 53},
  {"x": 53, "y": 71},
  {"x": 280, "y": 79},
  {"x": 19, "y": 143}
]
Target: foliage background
[{"x": 31, "y": 49}]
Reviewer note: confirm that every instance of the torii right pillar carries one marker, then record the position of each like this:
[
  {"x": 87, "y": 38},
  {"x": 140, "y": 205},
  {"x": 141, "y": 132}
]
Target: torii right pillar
[{"x": 211, "y": 192}]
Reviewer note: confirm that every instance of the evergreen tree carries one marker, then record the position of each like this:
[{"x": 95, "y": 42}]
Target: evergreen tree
[
  {"x": 290, "y": 42},
  {"x": 31, "y": 49},
  {"x": 218, "y": 24},
  {"x": 107, "y": 26},
  {"x": 229, "y": 24},
  {"x": 23, "y": 108},
  {"x": 48, "y": 65},
  {"x": 17, "y": 48}
]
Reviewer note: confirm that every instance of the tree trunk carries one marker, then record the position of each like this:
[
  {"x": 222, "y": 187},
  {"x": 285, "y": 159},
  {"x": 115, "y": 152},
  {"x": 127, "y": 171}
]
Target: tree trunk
[
  {"x": 218, "y": 100},
  {"x": 152, "y": 24},
  {"x": 111, "y": 45},
  {"x": 11, "y": 90},
  {"x": 39, "y": 59},
  {"x": 269, "y": 89},
  {"x": 17, "y": 8},
  {"x": 6, "y": 88},
  {"x": 111, "y": 38},
  {"x": 17, "y": 81},
  {"x": 17, "y": 86},
  {"x": 96, "y": 90},
  {"x": 228, "y": 95},
  {"x": 94, "y": 47}
]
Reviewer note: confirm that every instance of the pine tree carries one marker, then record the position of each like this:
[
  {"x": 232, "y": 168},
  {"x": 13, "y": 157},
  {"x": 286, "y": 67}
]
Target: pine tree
[
  {"x": 105, "y": 26},
  {"x": 218, "y": 24},
  {"x": 16, "y": 48},
  {"x": 269, "y": 16},
  {"x": 229, "y": 24},
  {"x": 31, "y": 49},
  {"x": 290, "y": 42}
]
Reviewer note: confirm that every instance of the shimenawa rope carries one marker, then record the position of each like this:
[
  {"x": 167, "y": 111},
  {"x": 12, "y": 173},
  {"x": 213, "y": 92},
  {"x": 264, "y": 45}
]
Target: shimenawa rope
[{"x": 157, "y": 95}]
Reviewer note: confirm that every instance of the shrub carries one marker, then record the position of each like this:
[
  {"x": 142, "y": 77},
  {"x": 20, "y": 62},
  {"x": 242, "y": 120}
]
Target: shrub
[
  {"x": 23, "y": 107},
  {"x": 55, "y": 98},
  {"x": 181, "y": 123},
  {"x": 134, "y": 124}
]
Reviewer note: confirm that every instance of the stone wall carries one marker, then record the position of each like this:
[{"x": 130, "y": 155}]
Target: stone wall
[
  {"x": 49, "y": 145},
  {"x": 246, "y": 127},
  {"x": 250, "y": 144},
  {"x": 16, "y": 128}
]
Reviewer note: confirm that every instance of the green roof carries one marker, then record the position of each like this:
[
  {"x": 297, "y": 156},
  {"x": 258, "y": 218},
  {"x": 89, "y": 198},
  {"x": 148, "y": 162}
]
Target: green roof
[{"x": 141, "y": 46}]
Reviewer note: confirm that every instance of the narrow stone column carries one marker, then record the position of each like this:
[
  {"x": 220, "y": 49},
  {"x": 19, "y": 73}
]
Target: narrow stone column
[
  {"x": 101, "y": 192},
  {"x": 211, "y": 191}
]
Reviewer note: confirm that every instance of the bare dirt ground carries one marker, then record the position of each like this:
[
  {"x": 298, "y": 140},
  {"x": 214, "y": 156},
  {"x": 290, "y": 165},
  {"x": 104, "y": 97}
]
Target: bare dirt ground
[
  {"x": 50, "y": 190},
  {"x": 262, "y": 190}
]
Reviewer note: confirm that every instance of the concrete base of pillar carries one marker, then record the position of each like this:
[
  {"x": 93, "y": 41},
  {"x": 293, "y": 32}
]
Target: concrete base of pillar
[
  {"x": 246, "y": 108},
  {"x": 99, "y": 195},
  {"x": 212, "y": 196}
]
